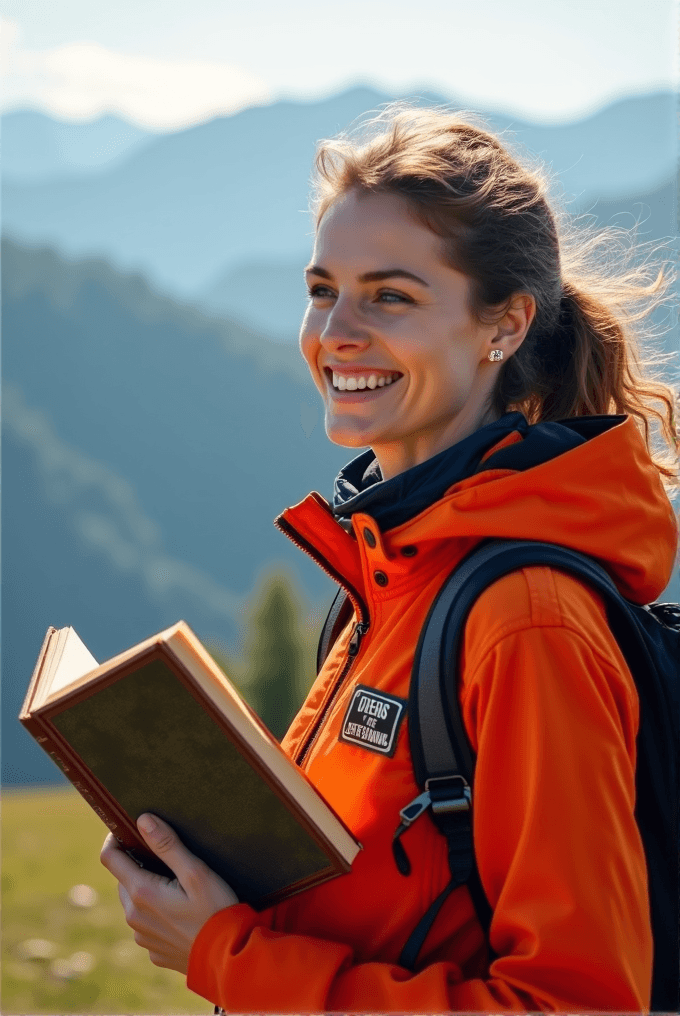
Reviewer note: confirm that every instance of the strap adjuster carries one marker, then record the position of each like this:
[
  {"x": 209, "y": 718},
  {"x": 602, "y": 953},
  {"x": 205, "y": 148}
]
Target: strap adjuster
[{"x": 443, "y": 802}]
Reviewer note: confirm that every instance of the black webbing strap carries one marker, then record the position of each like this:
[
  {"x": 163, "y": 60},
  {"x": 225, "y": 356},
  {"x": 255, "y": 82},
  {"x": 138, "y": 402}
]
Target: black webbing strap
[
  {"x": 338, "y": 616},
  {"x": 409, "y": 954},
  {"x": 439, "y": 744}
]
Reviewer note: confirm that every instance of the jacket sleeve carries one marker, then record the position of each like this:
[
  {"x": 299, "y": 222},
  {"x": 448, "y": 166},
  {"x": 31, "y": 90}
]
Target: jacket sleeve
[{"x": 552, "y": 713}]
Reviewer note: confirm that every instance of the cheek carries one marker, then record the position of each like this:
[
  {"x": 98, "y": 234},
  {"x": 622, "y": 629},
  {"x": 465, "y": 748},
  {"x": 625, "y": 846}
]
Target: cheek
[{"x": 309, "y": 347}]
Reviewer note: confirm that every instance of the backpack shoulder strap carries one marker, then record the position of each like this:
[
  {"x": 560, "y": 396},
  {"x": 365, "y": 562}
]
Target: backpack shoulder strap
[
  {"x": 338, "y": 616},
  {"x": 439, "y": 744},
  {"x": 443, "y": 761}
]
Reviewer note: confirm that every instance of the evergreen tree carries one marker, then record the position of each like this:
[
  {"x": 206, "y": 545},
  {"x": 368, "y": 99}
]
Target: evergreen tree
[{"x": 275, "y": 652}]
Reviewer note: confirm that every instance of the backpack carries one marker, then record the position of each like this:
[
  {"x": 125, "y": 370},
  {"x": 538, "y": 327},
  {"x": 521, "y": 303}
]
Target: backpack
[{"x": 443, "y": 762}]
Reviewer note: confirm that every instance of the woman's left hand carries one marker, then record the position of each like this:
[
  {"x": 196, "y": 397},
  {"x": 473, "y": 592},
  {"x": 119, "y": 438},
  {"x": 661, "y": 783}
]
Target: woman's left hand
[{"x": 166, "y": 916}]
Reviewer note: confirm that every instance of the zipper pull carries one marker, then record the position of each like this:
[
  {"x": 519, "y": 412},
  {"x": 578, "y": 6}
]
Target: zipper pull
[
  {"x": 408, "y": 815},
  {"x": 360, "y": 630}
]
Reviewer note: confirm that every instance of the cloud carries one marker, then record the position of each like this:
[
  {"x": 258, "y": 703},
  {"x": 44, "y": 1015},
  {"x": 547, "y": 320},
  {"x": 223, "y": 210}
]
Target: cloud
[{"x": 83, "y": 80}]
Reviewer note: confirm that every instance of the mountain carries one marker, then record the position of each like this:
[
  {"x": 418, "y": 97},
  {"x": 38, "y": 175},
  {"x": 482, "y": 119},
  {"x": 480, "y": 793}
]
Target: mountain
[
  {"x": 194, "y": 206},
  {"x": 146, "y": 452},
  {"x": 266, "y": 295},
  {"x": 37, "y": 149},
  {"x": 270, "y": 296}
]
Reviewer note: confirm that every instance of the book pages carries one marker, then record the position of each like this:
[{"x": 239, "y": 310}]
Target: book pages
[{"x": 74, "y": 662}]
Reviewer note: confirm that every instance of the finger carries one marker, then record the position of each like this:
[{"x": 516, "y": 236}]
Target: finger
[
  {"x": 115, "y": 860},
  {"x": 166, "y": 844},
  {"x": 124, "y": 897}
]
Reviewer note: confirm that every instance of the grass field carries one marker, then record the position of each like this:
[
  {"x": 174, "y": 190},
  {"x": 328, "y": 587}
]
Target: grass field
[{"x": 65, "y": 945}]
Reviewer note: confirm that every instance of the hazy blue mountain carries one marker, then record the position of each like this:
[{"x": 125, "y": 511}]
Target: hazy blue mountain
[
  {"x": 195, "y": 205},
  {"x": 267, "y": 295},
  {"x": 146, "y": 451},
  {"x": 626, "y": 148},
  {"x": 270, "y": 296},
  {"x": 36, "y": 148}
]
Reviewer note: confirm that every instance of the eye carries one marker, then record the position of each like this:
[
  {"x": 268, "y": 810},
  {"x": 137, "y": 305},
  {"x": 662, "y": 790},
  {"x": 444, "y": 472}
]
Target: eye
[
  {"x": 389, "y": 296},
  {"x": 320, "y": 292}
]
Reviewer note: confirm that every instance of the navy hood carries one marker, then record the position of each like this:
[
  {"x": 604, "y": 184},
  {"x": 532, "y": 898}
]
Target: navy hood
[{"x": 359, "y": 486}]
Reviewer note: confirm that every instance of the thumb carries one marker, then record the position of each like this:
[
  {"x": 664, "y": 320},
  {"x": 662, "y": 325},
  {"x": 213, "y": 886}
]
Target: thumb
[
  {"x": 194, "y": 876},
  {"x": 165, "y": 843}
]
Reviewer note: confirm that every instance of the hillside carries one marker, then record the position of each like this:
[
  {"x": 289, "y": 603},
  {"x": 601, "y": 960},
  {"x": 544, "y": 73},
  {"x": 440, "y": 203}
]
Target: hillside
[{"x": 146, "y": 451}]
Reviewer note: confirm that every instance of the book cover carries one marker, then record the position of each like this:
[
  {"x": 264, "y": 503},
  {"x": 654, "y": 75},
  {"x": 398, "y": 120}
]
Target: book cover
[{"x": 160, "y": 728}]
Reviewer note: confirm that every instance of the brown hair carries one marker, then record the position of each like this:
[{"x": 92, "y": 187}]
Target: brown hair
[{"x": 593, "y": 291}]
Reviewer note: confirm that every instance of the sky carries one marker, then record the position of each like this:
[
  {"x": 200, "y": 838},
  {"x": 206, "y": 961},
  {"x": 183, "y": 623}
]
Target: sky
[{"x": 167, "y": 64}]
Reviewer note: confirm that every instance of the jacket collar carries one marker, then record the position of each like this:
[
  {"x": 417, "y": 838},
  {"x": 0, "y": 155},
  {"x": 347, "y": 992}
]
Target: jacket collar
[
  {"x": 586, "y": 483},
  {"x": 359, "y": 487}
]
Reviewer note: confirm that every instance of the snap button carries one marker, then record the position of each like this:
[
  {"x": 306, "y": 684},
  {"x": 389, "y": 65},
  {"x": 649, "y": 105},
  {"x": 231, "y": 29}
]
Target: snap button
[
  {"x": 380, "y": 578},
  {"x": 369, "y": 537},
  {"x": 409, "y": 551}
]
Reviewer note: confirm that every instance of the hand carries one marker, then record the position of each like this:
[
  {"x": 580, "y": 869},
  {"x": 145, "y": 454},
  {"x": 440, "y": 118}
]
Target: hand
[{"x": 166, "y": 915}]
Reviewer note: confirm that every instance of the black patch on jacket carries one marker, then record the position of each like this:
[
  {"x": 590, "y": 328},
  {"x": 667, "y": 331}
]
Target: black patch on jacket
[{"x": 373, "y": 719}]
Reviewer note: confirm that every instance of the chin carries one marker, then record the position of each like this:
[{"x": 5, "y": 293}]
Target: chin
[
  {"x": 348, "y": 437},
  {"x": 349, "y": 441}
]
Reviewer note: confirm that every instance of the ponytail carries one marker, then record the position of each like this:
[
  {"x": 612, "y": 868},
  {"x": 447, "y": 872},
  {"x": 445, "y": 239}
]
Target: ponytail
[{"x": 589, "y": 364}]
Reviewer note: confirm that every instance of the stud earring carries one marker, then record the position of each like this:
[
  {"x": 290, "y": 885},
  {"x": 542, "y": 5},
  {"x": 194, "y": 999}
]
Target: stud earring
[{"x": 496, "y": 354}]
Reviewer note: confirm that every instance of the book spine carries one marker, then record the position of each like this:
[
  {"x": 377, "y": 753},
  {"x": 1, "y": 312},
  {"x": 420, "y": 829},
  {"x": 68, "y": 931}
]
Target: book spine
[
  {"x": 91, "y": 790},
  {"x": 78, "y": 777}
]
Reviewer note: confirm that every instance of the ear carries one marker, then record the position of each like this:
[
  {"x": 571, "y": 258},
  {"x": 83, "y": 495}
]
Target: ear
[{"x": 512, "y": 327}]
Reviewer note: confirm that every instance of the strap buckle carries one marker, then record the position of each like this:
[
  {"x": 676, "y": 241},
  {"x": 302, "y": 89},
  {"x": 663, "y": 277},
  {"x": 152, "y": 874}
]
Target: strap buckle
[
  {"x": 444, "y": 802},
  {"x": 439, "y": 798},
  {"x": 415, "y": 809}
]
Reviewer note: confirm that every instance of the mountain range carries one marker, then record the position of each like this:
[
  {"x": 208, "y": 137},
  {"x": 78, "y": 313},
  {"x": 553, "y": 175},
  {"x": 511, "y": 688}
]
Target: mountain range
[
  {"x": 199, "y": 209},
  {"x": 157, "y": 414}
]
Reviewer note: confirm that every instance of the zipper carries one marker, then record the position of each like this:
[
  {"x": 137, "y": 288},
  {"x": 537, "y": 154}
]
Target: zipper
[
  {"x": 360, "y": 630},
  {"x": 358, "y": 603},
  {"x": 360, "y": 627}
]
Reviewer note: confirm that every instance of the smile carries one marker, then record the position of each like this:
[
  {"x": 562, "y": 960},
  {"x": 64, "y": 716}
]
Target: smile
[
  {"x": 367, "y": 381},
  {"x": 358, "y": 381}
]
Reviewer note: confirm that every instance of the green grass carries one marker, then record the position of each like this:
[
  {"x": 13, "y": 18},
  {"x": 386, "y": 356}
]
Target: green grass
[{"x": 50, "y": 843}]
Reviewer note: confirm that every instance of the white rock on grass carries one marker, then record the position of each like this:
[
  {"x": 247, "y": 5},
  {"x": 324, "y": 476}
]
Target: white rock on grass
[
  {"x": 37, "y": 949},
  {"x": 81, "y": 962},
  {"x": 62, "y": 970},
  {"x": 75, "y": 966},
  {"x": 82, "y": 896}
]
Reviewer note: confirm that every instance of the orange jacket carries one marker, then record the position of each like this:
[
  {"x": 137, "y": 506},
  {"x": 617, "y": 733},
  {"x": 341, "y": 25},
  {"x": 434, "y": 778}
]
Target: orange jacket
[{"x": 550, "y": 709}]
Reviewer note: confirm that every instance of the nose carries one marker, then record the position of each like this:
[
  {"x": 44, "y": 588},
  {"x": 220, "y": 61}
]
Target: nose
[{"x": 342, "y": 328}]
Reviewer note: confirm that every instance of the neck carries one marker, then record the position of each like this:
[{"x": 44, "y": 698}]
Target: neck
[{"x": 397, "y": 456}]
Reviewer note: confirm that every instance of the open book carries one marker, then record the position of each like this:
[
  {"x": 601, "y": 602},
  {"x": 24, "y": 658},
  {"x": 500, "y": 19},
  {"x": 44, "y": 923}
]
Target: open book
[{"x": 160, "y": 728}]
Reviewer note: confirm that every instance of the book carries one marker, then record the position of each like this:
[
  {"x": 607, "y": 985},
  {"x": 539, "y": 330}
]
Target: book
[{"x": 160, "y": 728}]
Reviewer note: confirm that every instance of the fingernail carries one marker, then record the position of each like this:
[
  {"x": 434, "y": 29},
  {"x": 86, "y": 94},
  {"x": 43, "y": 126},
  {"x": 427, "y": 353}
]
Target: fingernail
[{"x": 147, "y": 824}]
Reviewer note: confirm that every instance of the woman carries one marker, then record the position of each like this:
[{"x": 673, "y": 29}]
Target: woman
[{"x": 447, "y": 330}]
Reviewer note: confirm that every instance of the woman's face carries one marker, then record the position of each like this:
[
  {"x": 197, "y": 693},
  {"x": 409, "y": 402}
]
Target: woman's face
[{"x": 401, "y": 363}]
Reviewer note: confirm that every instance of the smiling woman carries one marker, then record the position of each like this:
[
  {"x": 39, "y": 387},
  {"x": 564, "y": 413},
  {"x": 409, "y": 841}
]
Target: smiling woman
[{"x": 456, "y": 329}]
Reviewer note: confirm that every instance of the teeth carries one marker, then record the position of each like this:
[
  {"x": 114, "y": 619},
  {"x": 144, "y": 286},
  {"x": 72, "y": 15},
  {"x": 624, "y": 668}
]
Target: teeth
[{"x": 352, "y": 384}]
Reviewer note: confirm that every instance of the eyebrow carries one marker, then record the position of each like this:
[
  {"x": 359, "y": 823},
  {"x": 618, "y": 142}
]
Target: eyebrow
[{"x": 388, "y": 273}]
